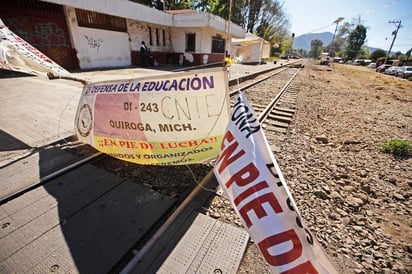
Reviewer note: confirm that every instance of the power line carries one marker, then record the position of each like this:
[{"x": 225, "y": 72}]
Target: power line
[
  {"x": 408, "y": 16},
  {"x": 319, "y": 29}
]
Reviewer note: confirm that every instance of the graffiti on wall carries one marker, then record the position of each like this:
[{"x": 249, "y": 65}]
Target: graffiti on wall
[
  {"x": 94, "y": 43},
  {"x": 49, "y": 35},
  {"x": 40, "y": 34}
]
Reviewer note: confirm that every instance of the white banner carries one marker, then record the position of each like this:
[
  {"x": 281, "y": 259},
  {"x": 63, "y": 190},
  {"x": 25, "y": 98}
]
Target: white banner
[
  {"x": 172, "y": 119},
  {"x": 18, "y": 55},
  {"x": 249, "y": 174}
]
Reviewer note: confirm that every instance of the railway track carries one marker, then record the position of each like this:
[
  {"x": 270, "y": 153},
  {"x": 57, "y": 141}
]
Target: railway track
[{"x": 122, "y": 183}]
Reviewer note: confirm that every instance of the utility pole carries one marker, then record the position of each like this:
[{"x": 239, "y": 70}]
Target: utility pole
[
  {"x": 229, "y": 19},
  {"x": 394, "y": 33},
  {"x": 332, "y": 48}
]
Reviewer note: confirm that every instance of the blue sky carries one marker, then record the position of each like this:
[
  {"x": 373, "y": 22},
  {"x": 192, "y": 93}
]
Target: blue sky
[{"x": 315, "y": 16}]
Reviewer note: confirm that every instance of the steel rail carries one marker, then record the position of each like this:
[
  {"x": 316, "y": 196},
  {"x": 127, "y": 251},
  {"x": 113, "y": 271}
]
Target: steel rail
[
  {"x": 233, "y": 93},
  {"x": 263, "y": 115}
]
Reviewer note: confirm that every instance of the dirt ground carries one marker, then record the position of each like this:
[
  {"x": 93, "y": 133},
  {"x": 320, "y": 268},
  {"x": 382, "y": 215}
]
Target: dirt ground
[{"x": 353, "y": 197}]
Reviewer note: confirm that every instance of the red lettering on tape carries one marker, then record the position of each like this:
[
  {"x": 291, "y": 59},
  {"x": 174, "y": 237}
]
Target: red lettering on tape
[
  {"x": 286, "y": 257},
  {"x": 226, "y": 156},
  {"x": 250, "y": 191},
  {"x": 246, "y": 175},
  {"x": 256, "y": 206}
]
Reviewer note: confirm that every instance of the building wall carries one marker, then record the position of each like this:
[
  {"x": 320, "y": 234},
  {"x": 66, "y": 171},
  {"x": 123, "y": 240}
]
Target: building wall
[
  {"x": 266, "y": 50},
  {"x": 251, "y": 53},
  {"x": 121, "y": 8},
  {"x": 104, "y": 48},
  {"x": 97, "y": 47},
  {"x": 160, "y": 37},
  {"x": 138, "y": 32},
  {"x": 203, "y": 46},
  {"x": 44, "y": 26}
]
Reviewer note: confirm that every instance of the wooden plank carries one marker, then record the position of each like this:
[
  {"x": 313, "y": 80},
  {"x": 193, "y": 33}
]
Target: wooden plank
[
  {"x": 281, "y": 113},
  {"x": 278, "y": 129},
  {"x": 285, "y": 109},
  {"x": 280, "y": 118},
  {"x": 272, "y": 123},
  {"x": 287, "y": 101}
]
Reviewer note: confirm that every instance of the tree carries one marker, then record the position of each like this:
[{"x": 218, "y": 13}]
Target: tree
[
  {"x": 377, "y": 54},
  {"x": 217, "y": 7},
  {"x": 408, "y": 54},
  {"x": 397, "y": 54},
  {"x": 355, "y": 41},
  {"x": 178, "y": 4},
  {"x": 363, "y": 53},
  {"x": 315, "y": 48},
  {"x": 238, "y": 12},
  {"x": 264, "y": 18},
  {"x": 221, "y": 8},
  {"x": 340, "y": 38},
  {"x": 253, "y": 11},
  {"x": 274, "y": 23},
  {"x": 143, "y": 2}
]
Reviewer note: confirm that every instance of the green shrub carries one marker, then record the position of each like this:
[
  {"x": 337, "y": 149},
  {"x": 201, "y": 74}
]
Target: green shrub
[{"x": 397, "y": 147}]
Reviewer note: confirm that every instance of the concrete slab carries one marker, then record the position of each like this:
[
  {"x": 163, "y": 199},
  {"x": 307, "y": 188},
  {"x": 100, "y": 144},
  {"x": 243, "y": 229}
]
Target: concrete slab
[
  {"x": 208, "y": 246},
  {"x": 81, "y": 222},
  {"x": 37, "y": 111},
  {"x": 28, "y": 171}
]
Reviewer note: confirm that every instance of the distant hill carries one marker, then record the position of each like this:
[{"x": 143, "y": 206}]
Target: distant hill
[
  {"x": 303, "y": 41},
  {"x": 372, "y": 49}
]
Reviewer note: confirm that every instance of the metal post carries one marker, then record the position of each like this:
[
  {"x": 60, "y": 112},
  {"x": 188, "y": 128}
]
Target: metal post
[
  {"x": 332, "y": 49},
  {"x": 227, "y": 29},
  {"x": 394, "y": 37}
]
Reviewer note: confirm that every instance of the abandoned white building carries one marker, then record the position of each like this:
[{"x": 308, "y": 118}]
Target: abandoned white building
[
  {"x": 91, "y": 34},
  {"x": 250, "y": 50}
]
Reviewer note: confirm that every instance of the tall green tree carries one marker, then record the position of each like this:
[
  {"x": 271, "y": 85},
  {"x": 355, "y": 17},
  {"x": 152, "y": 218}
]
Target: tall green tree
[
  {"x": 253, "y": 10},
  {"x": 377, "y": 54},
  {"x": 144, "y": 2},
  {"x": 217, "y": 7},
  {"x": 408, "y": 54},
  {"x": 239, "y": 12},
  {"x": 274, "y": 22},
  {"x": 355, "y": 41},
  {"x": 221, "y": 8},
  {"x": 315, "y": 48},
  {"x": 341, "y": 37},
  {"x": 178, "y": 4},
  {"x": 363, "y": 53}
]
